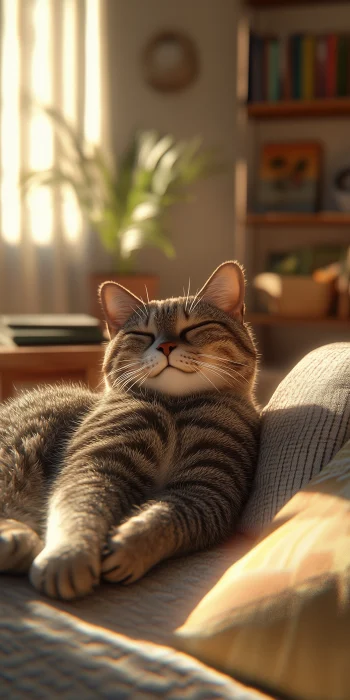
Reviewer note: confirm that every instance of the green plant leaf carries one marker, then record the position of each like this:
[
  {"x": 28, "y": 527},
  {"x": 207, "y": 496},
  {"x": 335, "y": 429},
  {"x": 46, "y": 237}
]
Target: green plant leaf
[
  {"x": 159, "y": 149},
  {"x": 125, "y": 205},
  {"x": 149, "y": 232},
  {"x": 144, "y": 142}
]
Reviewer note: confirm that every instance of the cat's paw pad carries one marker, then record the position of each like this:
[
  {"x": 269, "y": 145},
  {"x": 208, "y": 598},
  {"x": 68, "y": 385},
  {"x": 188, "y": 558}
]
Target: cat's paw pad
[
  {"x": 19, "y": 545},
  {"x": 65, "y": 572},
  {"x": 124, "y": 560}
]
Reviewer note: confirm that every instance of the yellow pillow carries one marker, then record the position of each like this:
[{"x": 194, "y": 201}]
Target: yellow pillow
[{"x": 279, "y": 618}]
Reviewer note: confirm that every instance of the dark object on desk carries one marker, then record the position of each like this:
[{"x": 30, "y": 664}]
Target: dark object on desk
[{"x": 49, "y": 329}]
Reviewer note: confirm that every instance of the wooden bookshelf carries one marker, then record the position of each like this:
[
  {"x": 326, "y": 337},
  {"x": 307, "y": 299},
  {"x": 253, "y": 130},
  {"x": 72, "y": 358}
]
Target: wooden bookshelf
[
  {"x": 298, "y": 109},
  {"x": 265, "y": 4},
  {"x": 265, "y": 319},
  {"x": 323, "y": 218}
]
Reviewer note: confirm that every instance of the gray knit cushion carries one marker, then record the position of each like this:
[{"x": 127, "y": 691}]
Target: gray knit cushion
[{"x": 304, "y": 424}]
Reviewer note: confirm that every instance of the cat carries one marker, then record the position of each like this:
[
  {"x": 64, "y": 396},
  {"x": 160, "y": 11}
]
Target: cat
[{"x": 107, "y": 484}]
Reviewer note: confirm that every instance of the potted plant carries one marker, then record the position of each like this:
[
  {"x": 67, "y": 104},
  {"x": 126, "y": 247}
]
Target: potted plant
[{"x": 125, "y": 204}]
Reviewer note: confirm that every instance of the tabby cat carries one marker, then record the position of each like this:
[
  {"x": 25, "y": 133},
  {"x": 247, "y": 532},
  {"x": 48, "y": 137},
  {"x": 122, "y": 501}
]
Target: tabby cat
[{"x": 158, "y": 464}]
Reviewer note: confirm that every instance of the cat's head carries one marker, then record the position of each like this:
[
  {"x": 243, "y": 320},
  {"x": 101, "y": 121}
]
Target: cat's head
[{"x": 182, "y": 345}]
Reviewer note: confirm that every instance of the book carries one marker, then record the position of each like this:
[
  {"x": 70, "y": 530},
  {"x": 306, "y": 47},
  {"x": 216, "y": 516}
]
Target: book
[
  {"x": 285, "y": 90},
  {"x": 265, "y": 68},
  {"x": 49, "y": 329},
  {"x": 308, "y": 67},
  {"x": 342, "y": 67},
  {"x": 273, "y": 79},
  {"x": 331, "y": 65},
  {"x": 255, "y": 77},
  {"x": 296, "y": 52},
  {"x": 320, "y": 66},
  {"x": 298, "y": 66}
]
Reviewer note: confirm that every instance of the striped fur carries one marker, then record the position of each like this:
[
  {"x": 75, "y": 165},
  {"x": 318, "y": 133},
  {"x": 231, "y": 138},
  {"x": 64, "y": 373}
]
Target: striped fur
[{"x": 158, "y": 465}]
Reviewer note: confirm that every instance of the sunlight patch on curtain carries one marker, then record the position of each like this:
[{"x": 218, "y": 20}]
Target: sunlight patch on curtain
[
  {"x": 71, "y": 216},
  {"x": 10, "y": 124},
  {"x": 50, "y": 55},
  {"x": 41, "y": 153},
  {"x": 36, "y": 20}
]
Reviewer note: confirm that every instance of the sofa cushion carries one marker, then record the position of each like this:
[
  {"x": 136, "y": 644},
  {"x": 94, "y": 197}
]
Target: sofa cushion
[
  {"x": 304, "y": 425},
  {"x": 280, "y": 617}
]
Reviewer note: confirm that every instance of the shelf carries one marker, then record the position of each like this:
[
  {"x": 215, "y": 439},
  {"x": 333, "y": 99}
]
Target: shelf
[
  {"x": 268, "y": 4},
  {"x": 264, "y": 319},
  {"x": 323, "y": 218},
  {"x": 292, "y": 109}
]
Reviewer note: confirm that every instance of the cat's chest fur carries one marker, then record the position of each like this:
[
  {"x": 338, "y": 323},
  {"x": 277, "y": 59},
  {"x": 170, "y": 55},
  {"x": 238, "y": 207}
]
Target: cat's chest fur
[{"x": 205, "y": 429}]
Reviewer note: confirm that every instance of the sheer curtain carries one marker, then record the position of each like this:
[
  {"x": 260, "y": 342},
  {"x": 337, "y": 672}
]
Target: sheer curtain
[{"x": 51, "y": 51}]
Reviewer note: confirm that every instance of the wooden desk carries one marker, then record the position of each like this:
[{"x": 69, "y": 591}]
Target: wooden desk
[{"x": 22, "y": 368}]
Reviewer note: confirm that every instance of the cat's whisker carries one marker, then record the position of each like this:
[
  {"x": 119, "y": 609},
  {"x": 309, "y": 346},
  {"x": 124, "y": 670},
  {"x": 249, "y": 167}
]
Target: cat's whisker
[
  {"x": 145, "y": 377},
  {"x": 141, "y": 313},
  {"x": 147, "y": 293},
  {"x": 217, "y": 372},
  {"x": 123, "y": 368},
  {"x": 188, "y": 294},
  {"x": 238, "y": 375},
  {"x": 137, "y": 380},
  {"x": 194, "y": 299},
  {"x": 137, "y": 313},
  {"x": 127, "y": 377},
  {"x": 101, "y": 384},
  {"x": 221, "y": 369},
  {"x": 222, "y": 359},
  {"x": 209, "y": 380},
  {"x": 129, "y": 364},
  {"x": 144, "y": 306},
  {"x": 212, "y": 368},
  {"x": 195, "y": 304}
]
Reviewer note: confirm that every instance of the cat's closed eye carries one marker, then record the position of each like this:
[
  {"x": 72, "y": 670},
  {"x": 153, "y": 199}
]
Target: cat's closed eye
[
  {"x": 193, "y": 331},
  {"x": 141, "y": 333}
]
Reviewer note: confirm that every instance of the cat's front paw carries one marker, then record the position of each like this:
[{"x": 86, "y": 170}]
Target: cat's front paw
[
  {"x": 66, "y": 572},
  {"x": 125, "y": 558},
  {"x": 19, "y": 545}
]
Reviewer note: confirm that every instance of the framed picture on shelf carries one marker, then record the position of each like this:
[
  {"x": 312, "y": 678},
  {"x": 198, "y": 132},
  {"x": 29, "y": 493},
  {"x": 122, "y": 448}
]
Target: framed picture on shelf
[{"x": 289, "y": 177}]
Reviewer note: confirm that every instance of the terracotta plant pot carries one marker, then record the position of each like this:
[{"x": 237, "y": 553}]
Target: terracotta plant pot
[{"x": 135, "y": 283}]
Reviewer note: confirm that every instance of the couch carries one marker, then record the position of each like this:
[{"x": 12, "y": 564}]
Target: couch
[{"x": 119, "y": 642}]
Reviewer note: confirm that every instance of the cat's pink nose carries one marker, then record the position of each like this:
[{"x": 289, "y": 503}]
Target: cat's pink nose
[{"x": 166, "y": 348}]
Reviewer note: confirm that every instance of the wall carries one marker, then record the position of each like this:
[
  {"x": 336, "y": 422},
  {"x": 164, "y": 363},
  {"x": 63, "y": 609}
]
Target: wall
[{"x": 202, "y": 231}]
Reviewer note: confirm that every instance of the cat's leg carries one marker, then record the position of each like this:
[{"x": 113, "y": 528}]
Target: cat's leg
[
  {"x": 186, "y": 518},
  {"x": 104, "y": 476},
  {"x": 21, "y": 509},
  {"x": 19, "y": 545}
]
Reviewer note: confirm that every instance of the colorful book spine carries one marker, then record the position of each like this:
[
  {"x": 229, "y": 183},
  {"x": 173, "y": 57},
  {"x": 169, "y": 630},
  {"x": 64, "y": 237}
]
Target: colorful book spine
[
  {"x": 299, "y": 67},
  {"x": 273, "y": 79},
  {"x": 342, "y": 59},
  {"x": 297, "y": 43},
  {"x": 320, "y": 66},
  {"x": 255, "y": 79},
  {"x": 331, "y": 65},
  {"x": 266, "y": 68},
  {"x": 285, "y": 69},
  {"x": 308, "y": 67}
]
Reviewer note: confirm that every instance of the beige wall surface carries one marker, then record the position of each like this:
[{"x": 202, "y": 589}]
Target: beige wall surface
[{"x": 202, "y": 231}]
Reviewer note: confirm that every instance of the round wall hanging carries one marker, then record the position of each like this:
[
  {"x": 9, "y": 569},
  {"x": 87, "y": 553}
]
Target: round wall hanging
[{"x": 170, "y": 61}]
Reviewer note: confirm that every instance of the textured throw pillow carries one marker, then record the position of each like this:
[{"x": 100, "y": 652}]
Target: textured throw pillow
[
  {"x": 304, "y": 425},
  {"x": 280, "y": 617}
]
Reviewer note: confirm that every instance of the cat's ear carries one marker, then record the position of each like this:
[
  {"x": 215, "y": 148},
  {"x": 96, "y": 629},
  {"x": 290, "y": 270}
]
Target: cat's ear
[
  {"x": 118, "y": 304},
  {"x": 225, "y": 289}
]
